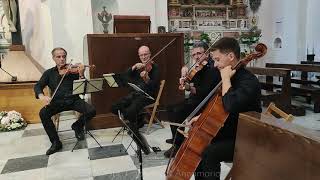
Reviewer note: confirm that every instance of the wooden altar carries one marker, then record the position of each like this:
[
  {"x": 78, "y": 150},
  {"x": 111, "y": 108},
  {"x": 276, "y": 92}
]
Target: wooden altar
[
  {"x": 19, "y": 96},
  {"x": 115, "y": 53},
  {"x": 269, "y": 148}
]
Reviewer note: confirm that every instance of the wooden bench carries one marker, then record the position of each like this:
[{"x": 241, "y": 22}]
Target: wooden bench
[
  {"x": 302, "y": 86},
  {"x": 280, "y": 96},
  {"x": 267, "y": 148}
]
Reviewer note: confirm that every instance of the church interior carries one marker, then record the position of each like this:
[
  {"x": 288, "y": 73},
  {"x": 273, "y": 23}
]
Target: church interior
[{"x": 104, "y": 39}]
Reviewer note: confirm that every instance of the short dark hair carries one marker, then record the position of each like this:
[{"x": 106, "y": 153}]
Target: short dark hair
[
  {"x": 200, "y": 44},
  {"x": 227, "y": 45},
  {"x": 58, "y": 48}
]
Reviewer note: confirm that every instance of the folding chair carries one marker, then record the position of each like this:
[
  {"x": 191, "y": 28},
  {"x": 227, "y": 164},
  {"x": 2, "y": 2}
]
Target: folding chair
[
  {"x": 272, "y": 108},
  {"x": 56, "y": 118},
  {"x": 151, "y": 109}
]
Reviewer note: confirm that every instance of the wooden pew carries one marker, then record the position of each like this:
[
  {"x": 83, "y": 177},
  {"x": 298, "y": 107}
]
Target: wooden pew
[
  {"x": 281, "y": 98},
  {"x": 268, "y": 148},
  {"x": 303, "y": 86}
]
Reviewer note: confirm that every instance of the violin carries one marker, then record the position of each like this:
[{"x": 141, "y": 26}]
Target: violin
[
  {"x": 73, "y": 68},
  {"x": 146, "y": 69},
  {"x": 69, "y": 69}
]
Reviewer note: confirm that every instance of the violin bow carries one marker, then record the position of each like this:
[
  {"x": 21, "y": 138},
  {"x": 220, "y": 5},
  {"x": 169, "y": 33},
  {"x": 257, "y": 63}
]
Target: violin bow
[
  {"x": 161, "y": 50},
  {"x": 55, "y": 91}
]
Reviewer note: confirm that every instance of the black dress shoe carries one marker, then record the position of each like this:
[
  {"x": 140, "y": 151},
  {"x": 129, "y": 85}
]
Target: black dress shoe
[
  {"x": 79, "y": 133},
  {"x": 56, "y": 146},
  {"x": 169, "y": 141},
  {"x": 170, "y": 151}
]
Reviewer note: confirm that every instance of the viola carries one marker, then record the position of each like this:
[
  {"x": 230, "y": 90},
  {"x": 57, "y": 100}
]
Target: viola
[
  {"x": 186, "y": 79},
  {"x": 193, "y": 71},
  {"x": 205, "y": 128}
]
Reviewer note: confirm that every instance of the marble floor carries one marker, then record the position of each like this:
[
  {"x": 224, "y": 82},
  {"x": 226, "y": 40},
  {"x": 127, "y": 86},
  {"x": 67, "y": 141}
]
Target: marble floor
[{"x": 22, "y": 154}]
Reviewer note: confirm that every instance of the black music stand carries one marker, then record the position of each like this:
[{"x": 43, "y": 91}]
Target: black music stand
[
  {"x": 121, "y": 80},
  {"x": 83, "y": 87},
  {"x": 116, "y": 81},
  {"x": 141, "y": 142}
]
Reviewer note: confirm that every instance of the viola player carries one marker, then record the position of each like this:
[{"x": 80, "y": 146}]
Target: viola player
[
  {"x": 201, "y": 84},
  {"x": 63, "y": 99}
]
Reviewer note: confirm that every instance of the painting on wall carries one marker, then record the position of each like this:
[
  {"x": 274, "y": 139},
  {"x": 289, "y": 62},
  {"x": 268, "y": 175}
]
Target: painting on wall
[{"x": 102, "y": 15}]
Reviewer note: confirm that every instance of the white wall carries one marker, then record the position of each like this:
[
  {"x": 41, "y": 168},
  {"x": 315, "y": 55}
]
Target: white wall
[
  {"x": 36, "y": 30},
  {"x": 291, "y": 16},
  {"x": 313, "y": 27},
  {"x": 46, "y": 24},
  {"x": 156, "y": 9}
]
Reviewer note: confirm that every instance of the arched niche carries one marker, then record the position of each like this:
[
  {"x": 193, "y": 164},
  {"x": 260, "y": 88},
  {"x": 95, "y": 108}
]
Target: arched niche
[
  {"x": 111, "y": 6},
  {"x": 277, "y": 43}
]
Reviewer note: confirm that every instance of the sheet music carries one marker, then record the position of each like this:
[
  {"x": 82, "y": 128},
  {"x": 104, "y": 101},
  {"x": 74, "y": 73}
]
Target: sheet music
[
  {"x": 92, "y": 85},
  {"x": 110, "y": 80},
  {"x": 135, "y": 87}
]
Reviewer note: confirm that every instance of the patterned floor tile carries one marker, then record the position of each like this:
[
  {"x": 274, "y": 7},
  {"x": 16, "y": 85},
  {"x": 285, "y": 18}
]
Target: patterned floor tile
[
  {"x": 107, "y": 152},
  {"x": 69, "y": 165},
  {"x": 34, "y": 132},
  {"x": 2, "y": 164},
  {"x": 26, "y": 163},
  {"x": 112, "y": 165},
  {"x": 10, "y": 137},
  {"x": 151, "y": 160},
  {"x": 34, "y": 174},
  {"x": 127, "y": 175}
]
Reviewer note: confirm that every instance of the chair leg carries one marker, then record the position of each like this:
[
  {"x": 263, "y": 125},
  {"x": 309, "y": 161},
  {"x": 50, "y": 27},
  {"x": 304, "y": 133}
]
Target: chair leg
[
  {"x": 58, "y": 121},
  {"x": 150, "y": 120},
  {"x": 155, "y": 118}
]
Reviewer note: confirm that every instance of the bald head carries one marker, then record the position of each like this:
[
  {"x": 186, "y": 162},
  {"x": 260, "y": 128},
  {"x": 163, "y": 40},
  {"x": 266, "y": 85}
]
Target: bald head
[{"x": 144, "y": 53}]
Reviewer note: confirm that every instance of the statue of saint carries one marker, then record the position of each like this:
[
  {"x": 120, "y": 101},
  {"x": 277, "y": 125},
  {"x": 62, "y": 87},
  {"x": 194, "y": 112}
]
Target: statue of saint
[{"x": 10, "y": 10}]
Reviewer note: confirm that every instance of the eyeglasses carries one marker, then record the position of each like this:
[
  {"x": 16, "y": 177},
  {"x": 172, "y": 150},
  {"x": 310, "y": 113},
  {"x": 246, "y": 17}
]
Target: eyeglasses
[{"x": 197, "y": 54}]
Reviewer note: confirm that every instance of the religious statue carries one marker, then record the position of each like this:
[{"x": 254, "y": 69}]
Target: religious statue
[
  {"x": 104, "y": 17},
  {"x": 10, "y": 10}
]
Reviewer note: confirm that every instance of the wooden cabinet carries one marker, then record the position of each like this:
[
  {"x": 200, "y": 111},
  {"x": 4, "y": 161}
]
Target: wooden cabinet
[
  {"x": 131, "y": 24},
  {"x": 115, "y": 53}
]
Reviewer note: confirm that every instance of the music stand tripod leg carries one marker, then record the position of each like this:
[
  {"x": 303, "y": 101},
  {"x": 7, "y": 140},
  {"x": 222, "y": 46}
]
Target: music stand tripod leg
[
  {"x": 139, "y": 154},
  {"x": 120, "y": 131},
  {"x": 86, "y": 131}
]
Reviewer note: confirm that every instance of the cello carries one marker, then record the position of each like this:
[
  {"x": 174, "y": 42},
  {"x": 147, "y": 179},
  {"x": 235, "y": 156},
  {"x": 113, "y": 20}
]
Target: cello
[{"x": 205, "y": 128}]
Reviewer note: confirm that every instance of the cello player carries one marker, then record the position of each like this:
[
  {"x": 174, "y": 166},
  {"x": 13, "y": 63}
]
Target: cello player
[{"x": 240, "y": 93}]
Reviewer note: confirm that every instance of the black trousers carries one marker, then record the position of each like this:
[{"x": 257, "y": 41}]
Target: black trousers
[
  {"x": 216, "y": 152},
  {"x": 178, "y": 113},
  {"x": 77, "y": 104},
  {"x": 131, "y": 107}
]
